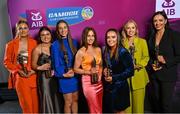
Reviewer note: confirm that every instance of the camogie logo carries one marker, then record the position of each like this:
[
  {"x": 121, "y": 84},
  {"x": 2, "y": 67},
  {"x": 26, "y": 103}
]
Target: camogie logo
[
  {"x": 87, "y": 13},
  {"x": 72, "y": 15}
]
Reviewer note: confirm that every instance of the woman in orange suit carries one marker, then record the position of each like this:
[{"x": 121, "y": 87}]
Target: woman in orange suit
[{"x": 18, "y": 61}]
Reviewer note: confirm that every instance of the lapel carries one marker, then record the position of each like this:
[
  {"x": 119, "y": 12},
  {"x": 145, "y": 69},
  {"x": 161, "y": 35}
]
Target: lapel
[
  {"x": 164, "y": 41},
  {"x": 136, "y": 42},
  {"x": 15, "y": 49},
  {"x": 126, "y": 44},
  {"x": 29, "y": 50},
  {"x": 30, "y": 45}
]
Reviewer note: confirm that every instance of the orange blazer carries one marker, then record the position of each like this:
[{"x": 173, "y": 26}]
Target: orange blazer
[{"x": 10, "y": 62}]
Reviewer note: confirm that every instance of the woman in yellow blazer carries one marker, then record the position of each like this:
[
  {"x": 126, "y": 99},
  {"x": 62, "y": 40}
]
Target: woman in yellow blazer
[{"x": 139, "y": 51}]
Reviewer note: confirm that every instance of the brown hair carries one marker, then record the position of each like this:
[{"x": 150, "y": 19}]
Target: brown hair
[
  {"x": 84, "y": 37},
  {"x": 107, "y": 48},
  {"x": 44, "y": 28},
  {"x": 69, "y": 37},
  {"x": 162, "y": 13}
]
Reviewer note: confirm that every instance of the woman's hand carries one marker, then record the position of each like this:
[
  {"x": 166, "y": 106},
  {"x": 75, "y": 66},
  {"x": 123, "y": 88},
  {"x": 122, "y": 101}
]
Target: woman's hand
[
  {"x": 155, "y": 68},
  {"x": 137, "y": 67},
  {"x": 161, "y": 59},
  {"x": 69, "y": 74},
  {"x": 105, "y": 72},
  {"x": 94, "y": 70},
  {"x": 108, "y": 78},
  {"x": 22, "y": 74},
  {"x": 46, "y": 66},
  {"x": 30, "y": 73}
]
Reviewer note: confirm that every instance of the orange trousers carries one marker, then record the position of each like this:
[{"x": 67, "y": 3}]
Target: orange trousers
[{"x": 28, "y": 98}]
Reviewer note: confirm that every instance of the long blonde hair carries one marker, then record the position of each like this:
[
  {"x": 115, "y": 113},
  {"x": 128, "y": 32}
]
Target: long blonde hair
[{"x": 124, "y": 34}]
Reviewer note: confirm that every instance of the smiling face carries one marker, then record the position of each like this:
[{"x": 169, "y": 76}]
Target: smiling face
[
  {"x": 23, "y": 30},
  {"x": 159, "y": 22},
  {"x": 131, "y": 29},
  {"x": 63, "y": 29},
  {"x": 111, "y": 39},
  {"x": 90, "y": 37},
  {"x": 45, "y": 36}
]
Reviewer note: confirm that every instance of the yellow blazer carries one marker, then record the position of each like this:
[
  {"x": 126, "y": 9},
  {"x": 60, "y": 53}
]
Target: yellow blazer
[{"x": 140, "y": 78}]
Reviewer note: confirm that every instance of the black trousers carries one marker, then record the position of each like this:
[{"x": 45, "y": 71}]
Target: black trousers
[{"x": 162, "y": 94}]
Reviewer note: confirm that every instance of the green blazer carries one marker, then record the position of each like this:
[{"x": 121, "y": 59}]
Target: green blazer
[{"x": 140, "y": 78}]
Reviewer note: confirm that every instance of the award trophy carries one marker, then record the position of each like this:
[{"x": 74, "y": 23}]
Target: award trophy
[
  {"x": 132, "y": 51},
  {"x": 108, "y": 65},
  {"x": 48, "y": 73},
  {"x": 21, "y": 59},
  {"x": 109, "y": 71},
  {"x": 66, "y": 61},
  {"x": 157, "y": 64},
  {"x": 94, "y": 77}
]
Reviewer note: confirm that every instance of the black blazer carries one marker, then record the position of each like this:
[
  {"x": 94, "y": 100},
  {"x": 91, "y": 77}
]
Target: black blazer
[{"x": 169, "y": 48}]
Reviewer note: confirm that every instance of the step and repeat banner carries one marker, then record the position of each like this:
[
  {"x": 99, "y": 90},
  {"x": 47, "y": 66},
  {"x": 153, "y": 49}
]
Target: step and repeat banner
[{"x": 100, "y": 14}]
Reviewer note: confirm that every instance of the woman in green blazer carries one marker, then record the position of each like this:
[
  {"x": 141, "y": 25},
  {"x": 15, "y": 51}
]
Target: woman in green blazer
[{"x": 139, "y": 51}]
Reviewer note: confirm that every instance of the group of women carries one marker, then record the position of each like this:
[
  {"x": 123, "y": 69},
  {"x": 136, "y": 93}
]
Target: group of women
[{"x": 46, "y": 75}]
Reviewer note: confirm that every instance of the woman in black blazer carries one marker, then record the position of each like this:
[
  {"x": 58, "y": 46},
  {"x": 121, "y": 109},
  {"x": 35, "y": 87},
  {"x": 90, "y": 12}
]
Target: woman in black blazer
[{"x": 164, "y": 50}]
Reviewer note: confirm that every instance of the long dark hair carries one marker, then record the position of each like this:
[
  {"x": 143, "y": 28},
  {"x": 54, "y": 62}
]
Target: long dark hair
[
  {"x": 69, "y": 37},
  {"x": 163, "y": 13},
  {"x": 42, "y": 29},
  {"x": 119, "y": 44},
  {"x": 84, "y": 37}
]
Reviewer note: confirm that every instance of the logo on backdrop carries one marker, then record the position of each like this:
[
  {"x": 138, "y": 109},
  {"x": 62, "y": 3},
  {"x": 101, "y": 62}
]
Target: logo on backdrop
[
  {"x": 87, "y": 13},
  {"x": 168, "y": 4},
  {"x": 72, "y": 15},
  {"x": 171, "y": 7},
  {"x": 35, "y": 18}
]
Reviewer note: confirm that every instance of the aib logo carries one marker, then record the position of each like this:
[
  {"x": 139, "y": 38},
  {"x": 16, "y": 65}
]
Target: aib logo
[
  {"x": 168, "y": 6},
  {"x": 35, "y": 19},
  {"x": 36, "y": 16}
]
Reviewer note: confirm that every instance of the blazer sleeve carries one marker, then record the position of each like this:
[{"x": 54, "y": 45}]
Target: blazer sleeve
[
  {"x": 127, "y": 62},
  {"x": 57, "y": 61},
  {"x": 75, "y": 43},
  {"x": 145, "y": 54},
  {"x": 8, "y": 58},
  {"x": 175, "y": 40}
]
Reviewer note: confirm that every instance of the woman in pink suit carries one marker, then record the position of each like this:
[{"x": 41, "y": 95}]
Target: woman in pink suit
[{"x": 88, "y": 63}]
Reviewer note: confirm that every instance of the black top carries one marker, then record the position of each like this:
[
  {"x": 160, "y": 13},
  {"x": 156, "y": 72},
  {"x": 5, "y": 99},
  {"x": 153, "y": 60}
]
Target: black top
[{"x": 169, "y": 48}]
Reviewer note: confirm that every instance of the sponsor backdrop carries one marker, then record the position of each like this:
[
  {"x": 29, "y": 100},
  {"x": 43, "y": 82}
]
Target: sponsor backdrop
[{"x": 100, "y": 14}]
